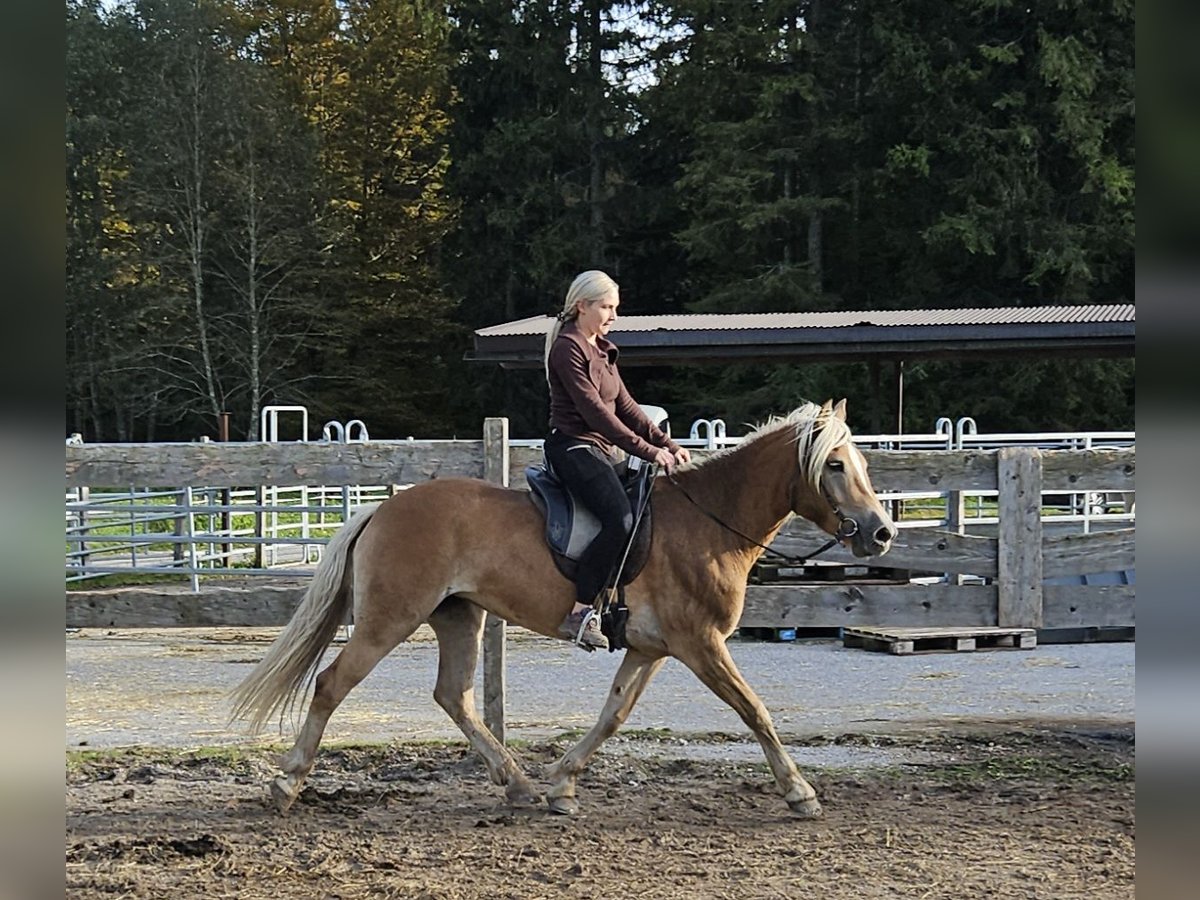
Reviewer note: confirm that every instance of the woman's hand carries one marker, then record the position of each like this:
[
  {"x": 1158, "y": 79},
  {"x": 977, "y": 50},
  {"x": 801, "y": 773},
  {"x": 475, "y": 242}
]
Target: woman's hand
[{"x": 668, "y": 460}]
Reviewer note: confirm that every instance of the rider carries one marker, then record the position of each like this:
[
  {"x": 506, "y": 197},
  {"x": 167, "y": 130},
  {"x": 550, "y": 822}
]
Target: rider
[{"x": 594, "y": 423}]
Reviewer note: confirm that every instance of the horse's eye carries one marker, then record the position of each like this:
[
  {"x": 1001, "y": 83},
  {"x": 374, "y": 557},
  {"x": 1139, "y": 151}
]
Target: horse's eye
[{"x": 837, "y": 465}]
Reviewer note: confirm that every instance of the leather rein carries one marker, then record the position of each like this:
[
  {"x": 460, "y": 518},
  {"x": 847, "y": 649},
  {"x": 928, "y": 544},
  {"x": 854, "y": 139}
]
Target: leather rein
[{"x": 847, "y": 527}]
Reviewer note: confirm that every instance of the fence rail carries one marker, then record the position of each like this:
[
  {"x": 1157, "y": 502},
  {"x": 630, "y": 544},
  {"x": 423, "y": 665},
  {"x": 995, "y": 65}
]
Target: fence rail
[{"x": 974, "y": 546}]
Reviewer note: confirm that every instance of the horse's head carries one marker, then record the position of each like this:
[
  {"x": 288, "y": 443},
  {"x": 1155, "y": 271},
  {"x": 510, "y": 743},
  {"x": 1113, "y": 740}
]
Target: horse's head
[{"x": 840, "y": 499}]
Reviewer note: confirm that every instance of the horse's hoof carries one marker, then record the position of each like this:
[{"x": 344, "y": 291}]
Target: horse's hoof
[
  {"x": 281, "y": 796},
  {"x": 524, "y": 798},
  {"x": 563, "y": 806},
  {"x": 806, "y": 809}
]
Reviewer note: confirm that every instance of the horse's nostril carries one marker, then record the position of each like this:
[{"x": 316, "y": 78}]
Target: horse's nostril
[{"x": 885, "y": 534}]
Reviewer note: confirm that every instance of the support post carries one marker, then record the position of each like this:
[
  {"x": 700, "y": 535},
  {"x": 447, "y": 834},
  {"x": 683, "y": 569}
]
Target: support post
[
  {"x": 955, "y": 515},
  {"x": 495, "y": 470},
  {"x": 1019, "y": 580}
]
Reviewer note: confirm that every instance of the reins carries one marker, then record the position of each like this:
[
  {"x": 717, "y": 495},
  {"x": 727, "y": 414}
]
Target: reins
[{"x": 847, "y": 527}]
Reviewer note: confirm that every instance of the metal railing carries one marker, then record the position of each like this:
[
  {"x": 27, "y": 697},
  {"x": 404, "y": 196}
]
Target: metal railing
[{"x": 196, "y": 531}]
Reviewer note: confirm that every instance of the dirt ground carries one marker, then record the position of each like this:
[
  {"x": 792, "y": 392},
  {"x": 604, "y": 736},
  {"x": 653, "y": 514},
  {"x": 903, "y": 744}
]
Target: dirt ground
[{"x": 1027, "y": 811}]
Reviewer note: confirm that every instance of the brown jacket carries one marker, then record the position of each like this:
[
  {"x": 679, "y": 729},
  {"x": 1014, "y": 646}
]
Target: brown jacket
[{"x": 588, "y": 399}]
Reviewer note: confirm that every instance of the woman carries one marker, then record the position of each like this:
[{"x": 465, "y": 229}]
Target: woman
[{"x": 592, "y": 420}]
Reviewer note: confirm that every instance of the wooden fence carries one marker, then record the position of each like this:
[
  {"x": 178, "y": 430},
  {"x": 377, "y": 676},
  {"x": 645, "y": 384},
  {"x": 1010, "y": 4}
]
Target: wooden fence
[
  {"x": 996, "y": 576},
  {"x": 1007, "y": 564}
]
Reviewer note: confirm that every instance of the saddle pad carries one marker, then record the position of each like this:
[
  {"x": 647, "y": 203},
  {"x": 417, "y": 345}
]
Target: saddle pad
[{"x": 570, "y": 527}]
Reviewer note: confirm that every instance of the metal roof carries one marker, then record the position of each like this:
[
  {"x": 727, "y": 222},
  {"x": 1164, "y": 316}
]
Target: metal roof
[{"x": 992, "y": 332}]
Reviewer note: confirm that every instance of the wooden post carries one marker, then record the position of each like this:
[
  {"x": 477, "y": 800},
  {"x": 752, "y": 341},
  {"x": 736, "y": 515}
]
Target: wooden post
[
  {"x": 495, "y": 470},
  {"x": 226, "y": 496},
  {"x": 955, "y": 516},
  {"x": 1019, "y": 580},
  {"x": 260, "y": 499}
]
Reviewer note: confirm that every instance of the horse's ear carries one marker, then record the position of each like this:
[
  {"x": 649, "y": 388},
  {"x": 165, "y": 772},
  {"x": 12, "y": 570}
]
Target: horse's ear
[
  {"x": 840, "y": 410},
  {"x": 826, "y": 409}
]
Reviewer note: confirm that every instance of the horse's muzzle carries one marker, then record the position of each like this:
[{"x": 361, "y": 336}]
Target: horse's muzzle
[{"x": 874, "y": 542}]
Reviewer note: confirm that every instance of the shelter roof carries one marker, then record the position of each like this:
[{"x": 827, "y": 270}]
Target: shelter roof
[{"x": 833, "y": 336}]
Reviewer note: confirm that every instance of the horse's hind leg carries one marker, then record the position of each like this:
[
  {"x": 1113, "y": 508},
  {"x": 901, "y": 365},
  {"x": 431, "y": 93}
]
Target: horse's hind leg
[
  {"x": 458, "y": 624},
  {"x": 368, "y": 644},
  {"x": 715, "y": 667},
  {"x": 631, "y": 679}
]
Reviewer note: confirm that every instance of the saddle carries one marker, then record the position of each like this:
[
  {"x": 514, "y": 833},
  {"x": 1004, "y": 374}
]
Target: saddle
[{"x": 571, "y": 528}]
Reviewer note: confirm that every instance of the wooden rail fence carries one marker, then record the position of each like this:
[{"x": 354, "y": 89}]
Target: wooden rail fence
[{"x": 1007, "y": 564}]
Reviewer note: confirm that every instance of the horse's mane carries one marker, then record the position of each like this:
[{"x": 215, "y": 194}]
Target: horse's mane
[{"x": 816, "y": 431}]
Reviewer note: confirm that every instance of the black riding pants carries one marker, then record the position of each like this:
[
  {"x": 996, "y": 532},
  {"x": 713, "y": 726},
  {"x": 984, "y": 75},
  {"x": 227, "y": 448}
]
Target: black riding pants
[{"x": 591, "y": 476}]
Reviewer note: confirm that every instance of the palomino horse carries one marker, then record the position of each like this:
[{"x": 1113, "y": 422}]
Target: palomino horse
[{"x": 448, "y": 551}]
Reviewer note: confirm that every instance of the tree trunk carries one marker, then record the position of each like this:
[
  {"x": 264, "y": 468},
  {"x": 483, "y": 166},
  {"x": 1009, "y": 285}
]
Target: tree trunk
[
  {"x": 595, "y": 132},
  {"x": 815, "y": 220},
  {"x": 197, "y": 215}
]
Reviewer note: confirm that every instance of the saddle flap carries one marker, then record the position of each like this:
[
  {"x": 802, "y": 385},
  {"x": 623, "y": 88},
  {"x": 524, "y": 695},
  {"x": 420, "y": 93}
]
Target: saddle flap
[{"x": 570, "y": 527}]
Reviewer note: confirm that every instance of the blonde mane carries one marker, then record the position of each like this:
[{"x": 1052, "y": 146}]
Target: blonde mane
[{"x": 816, "y": 431}]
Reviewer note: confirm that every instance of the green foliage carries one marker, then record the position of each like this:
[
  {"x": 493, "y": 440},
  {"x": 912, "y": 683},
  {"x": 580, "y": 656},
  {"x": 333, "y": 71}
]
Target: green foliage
[{"x": 316, "y": 201}]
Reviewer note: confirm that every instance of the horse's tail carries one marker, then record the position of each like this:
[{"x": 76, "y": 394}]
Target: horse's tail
[{"x": 291, "y": 661}]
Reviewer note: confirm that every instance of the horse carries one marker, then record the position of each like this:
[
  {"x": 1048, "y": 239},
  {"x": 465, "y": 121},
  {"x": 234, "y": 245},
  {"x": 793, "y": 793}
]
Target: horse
[{"x": 451, "y": 550}]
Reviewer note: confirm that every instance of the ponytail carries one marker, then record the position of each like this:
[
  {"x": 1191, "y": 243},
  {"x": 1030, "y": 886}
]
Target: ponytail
[{"x": 551, "y": 335}]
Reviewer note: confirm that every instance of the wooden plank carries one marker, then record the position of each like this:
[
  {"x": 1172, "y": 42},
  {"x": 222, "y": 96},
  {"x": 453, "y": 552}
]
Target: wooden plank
[
  {"x": 804, "y": 606},
  {"x": 1019, "y": 576},
  {"x": 155, "y": 607},
  {"x": 932, "y": 470},
  {"x": 1088, "y": 606},
  {"x": 1080, "y": 554},
  {"x": 849, "y": 604},
  {"x": 240, "y": 464},
  {"x": 1089, "y": 470},
  {"x": 956, "y": 511},
  {"x": 518, "y": 459},
  {"x": 891, "y": 470},
  {"x": 915, "y": 549},
  {"x": 495, "y": 470},
  {"x": 284, "y": 464}
]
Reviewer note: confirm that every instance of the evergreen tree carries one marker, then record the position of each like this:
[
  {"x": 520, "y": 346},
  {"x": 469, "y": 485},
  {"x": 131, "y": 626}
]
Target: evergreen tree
[
  {"x": 543, "y": 111},
  {"x": 389, "y": 338}
]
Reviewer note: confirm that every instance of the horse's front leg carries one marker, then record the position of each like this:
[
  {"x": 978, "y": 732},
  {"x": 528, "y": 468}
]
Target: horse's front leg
[
  {"x": 634, "y": 674},
  {"x": 710, "y": 660}
]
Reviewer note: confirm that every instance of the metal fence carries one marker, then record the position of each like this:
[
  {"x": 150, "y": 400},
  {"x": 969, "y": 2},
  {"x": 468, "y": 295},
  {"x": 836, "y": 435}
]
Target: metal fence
[{"x": 196, "y": 531}]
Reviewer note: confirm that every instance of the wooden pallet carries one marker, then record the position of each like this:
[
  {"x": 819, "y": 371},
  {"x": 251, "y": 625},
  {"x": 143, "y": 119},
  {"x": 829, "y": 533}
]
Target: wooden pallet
[
  {"x": 817, "y": 572},
  {"x": 902, "y": 641}
]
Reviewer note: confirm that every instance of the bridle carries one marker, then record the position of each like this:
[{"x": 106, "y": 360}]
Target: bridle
[{"x": 847, "y": 528}]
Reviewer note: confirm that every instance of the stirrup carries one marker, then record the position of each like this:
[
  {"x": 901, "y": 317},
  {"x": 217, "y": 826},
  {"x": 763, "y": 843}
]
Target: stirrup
[{"x": 583, "y": 624}]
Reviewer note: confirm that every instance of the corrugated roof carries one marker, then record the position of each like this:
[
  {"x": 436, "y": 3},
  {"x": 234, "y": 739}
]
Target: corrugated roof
[
  {"x": 838, "y": 336},
  {"x": 981, "y": 316}
]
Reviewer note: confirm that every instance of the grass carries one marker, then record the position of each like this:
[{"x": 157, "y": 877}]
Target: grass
[
  {"x": 1051, "y": 768},
  {"x": 121, "y": 579}
]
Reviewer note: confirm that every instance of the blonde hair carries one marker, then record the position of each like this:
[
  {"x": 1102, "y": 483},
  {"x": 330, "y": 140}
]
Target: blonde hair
[{"x": 588, "y": 287}]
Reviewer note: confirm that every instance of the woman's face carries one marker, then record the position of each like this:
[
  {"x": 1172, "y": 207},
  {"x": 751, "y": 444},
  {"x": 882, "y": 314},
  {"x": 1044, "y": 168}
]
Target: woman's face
[{"x": 596, "y": 318}]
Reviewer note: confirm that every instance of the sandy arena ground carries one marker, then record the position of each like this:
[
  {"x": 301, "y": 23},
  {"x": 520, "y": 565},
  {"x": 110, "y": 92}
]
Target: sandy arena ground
[{"x": 935, "y": 802}]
